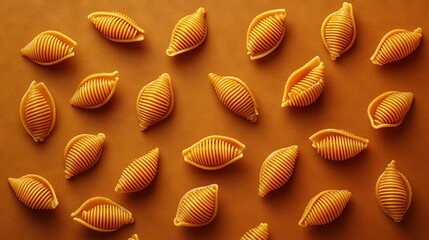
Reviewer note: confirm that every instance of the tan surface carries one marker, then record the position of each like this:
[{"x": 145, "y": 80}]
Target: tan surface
[{"x": 351, "y": 83}]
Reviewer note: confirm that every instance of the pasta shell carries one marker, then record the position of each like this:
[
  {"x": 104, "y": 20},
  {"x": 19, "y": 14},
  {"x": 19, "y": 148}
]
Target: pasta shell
[
  {"x": 393, "y": 192},
  {"x": 198, "y": 207},
  {"x": 139, "y": 173},
  {"x": 34, "y": 191},
  {"x": 235, "y": 95},
  {"x": 37, "y": 111},
  {"x": 155, "y": 101},
  {"x": 102, "y": 214},
  {"x": 389, "y": 109},
  {"x": 189, "y": 33},
  {"x": 277, "y": 169},
  {"x": 134, "y": 237},
  {"x": 95, "y": 90},
  {"x": 339, "y": 31},
  {"x": 265, "y": 33},
  {"x": 396, "y": 45},
  {"x": 325, "y": 207},
  {"x": 49, "y": 47},
  {"x": 213, "y": 152},
  {"x": 258, "y": 233},
  {"x": 305, "y": 85},
  {"x": 82, "y": 152},
  {"x": 116, "y": 26},
  {"x": 337, "y": 145}
]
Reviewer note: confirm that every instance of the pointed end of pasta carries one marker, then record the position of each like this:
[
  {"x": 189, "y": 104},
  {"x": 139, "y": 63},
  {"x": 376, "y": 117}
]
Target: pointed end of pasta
[
  {"x": 67, "y": 174},
  {"x": 102, "y": 136},
  {"x": 55, "y": 203},
  {"x": 118, "y": 189},
  {"x": 171, "y": 52},
  {"x": 201, "y": 10},
  {"x": 302, "y": 222},
  {"x": 284, "y": 103},
  {"x": 418, "y": 30},
  {"x": 261, "y": 192},
  {"x": 347, "y": 5}
]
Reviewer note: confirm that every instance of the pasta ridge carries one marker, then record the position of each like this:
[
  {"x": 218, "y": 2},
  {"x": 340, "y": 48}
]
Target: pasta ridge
[{"x": 258, "y": 233}]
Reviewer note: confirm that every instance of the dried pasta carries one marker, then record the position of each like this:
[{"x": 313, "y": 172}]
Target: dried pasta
[
  {"x": 134, "y": 237},
  {"x": 258, "y": 233}
]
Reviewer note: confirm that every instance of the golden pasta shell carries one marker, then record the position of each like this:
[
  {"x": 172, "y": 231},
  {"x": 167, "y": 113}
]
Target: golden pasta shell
[
  {"x": 396, "y": 45},
  {"x": 339, "y": 31},
  {"x": 305, "y": 85},
  {"x": 34, "y": 191},
  {"x": 198, "y": 207},
  {"x": 337, "y": 145},
  {"x": 258, "y": 233},
  {"x": 139, "y": 173},
  {"x": 325, "y": 207},
  {"x": 102, "y": 214},
  {"x": 277, "y": 169},
  {"x": 95, "y": 90},
  {"x": 37, "y": 111},
  {"x": 393, "y": 192},
  {"x": 116, "y": 26},
  {"x": 389, "y": 109},
  {"x": 155, "y": 101},
  {"x": 214, "y": 152},
  {"x": 82, "y": 152},
  {"x": 189, "y": 33},
  {"x": 265, "y": 33},
  {"x": 49, "y": 47},
  {"x": 235, "y": 95},
  {"x": 134, "y": 237}
]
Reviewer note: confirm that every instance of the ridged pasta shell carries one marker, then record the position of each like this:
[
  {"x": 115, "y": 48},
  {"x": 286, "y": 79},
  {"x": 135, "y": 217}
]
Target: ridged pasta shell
[
  {"x": 198, "y": 207},
  {"x": 258, "y": 233},
  {"x": 389, "y": 109},
  {"x": 277, "y": 169},
  {"x": 102, "y": 214},
  {"x": 339, "y": 31},
  {"x": 305, "y": 85},
  {"x": 82, "y": 152},
  {"x": 49, "y": 47},
  {"x": 134, "y": 237},
  {"x": 189, "y": 33},
  {"x": 139, "y": 173},
  {"x": 37, "y": 111},
  {"x": 95, "y": 90},
  {"x": 396, "y": 45},
  {"x": 213, "y": 152},
  {"x": 325, "y": 207},
  {"x": 34, "y": 191},
  {"x": 337, "y": 145},
  {"x": 265, "y": 33},
  {"x": 235, "y": 95},
  {"x": 393, "y": 192},
  {"x": 116, "y": 26},
  {"x": 155, "y": 101}
]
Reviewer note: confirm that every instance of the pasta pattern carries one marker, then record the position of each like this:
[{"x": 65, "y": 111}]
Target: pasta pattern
[
  {"x": 235, "y": 95},
  {"x": 155, "y": 101},
  {"x": 198, "y": 207},
  {"x": 95, "y": 90},
  {"x": 34, "y": 191},
  {"x": 258, "y": 233},
  {"x": 393, "y": 192},
  {"x": 82, "y": 152},
  {"x": 265, "y": 33},
  {"x": 189, "y": 33},
  {"x": 325, "y": 207},
  {"x": 37, "y": 111}
]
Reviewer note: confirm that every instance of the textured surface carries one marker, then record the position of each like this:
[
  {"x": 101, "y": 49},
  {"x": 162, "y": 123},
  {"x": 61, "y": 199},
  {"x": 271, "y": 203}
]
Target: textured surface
[
  {"x": 258, "y": 233},
  {"x": 116, "y": 27}
]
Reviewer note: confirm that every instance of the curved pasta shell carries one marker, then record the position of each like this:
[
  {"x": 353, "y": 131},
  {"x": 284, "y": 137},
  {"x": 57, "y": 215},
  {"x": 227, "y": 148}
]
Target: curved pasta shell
[
  {"x": 102, "y": 214},
  {"x": 95, "y": 90},
  {"x": 325, "y": 207},
  {"x": 49, "y": 47},
  {"x": 198, "y": 207},
  {"x": 258, "y": 233},
  {"x": 393, "y": 192},
  {"x": 277, "y": 169},
  {"x": 305, "y": 85},
  {"x": 82, "y": 152},
  {"x": 265, "y": 33},
  {"x": 37, "y": 111},
  {"x": 134, "y": 237},
  {"x": 139, "y": 173},
  {"x": 116, "y": 26},
  {"x": 389, "y": 109},
  {"x": 213, "y": 152},
  {"x": 235, "y": 95},
  {"x": 339, "y": 31},
  {"x": 189, "y": 33},
  {"x": 396, "y": 45},
  {"x": 336, "y": 145},
  {"x": 34, "y": 191},
  {"x": 155, "y": 101}
]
